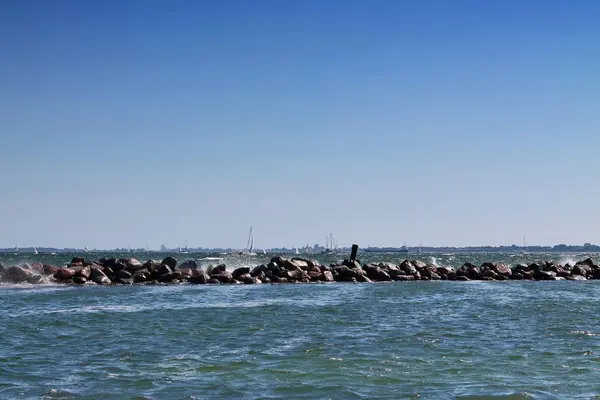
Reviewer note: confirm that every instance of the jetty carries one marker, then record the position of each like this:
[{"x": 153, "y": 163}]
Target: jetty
[{"x": 281, "y": 270}]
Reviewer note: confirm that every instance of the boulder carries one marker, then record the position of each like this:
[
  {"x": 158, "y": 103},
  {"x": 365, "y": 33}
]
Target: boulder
[
  {"x": 219, "y": 269},
  {"x": 201, "y": 278},
  {"x": 65, "y": 273},
  {"x": 166, "y": 277},
  {"x": 163, "y": 269},
  {"x": 99, "y": 277},
  {"x": 581, "y": 269},
  {"x": 124, "y": 274},
  {"x": 15, "y": 274},
  {"x": 78, "y": 260},
  {"x": 171, "y": 262},
  {"x": 131, "y": 264},
  {"x": 544, "y": 275},
  {"x": 327, "y": 276},
  {"x": 502, "y": 270},
  {"x": 222, "y": 277},
  {"x": 80, "y": 280},
  {"x": 408, "y": 268},
  {"x": 84, "y": 272},
  {"x": 191, "y": 264},
  {"x": 50, "y": 269},
  {"x": 141, "y": 276},
  {"x": 587, "y": 262}
]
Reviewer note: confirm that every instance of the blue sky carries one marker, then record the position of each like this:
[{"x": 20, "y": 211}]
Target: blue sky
[{"x": 384, "y": 122}]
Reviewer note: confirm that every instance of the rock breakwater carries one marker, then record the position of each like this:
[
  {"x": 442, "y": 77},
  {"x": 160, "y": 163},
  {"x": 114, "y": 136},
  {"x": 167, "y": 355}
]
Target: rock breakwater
[{"x": 128, "y": 271}]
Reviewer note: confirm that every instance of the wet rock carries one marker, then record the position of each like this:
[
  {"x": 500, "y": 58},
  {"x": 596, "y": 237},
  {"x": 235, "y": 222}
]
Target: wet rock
[
  {"x": 516, "y": 276},
  {"x": 444, "y": 270},
  {"x": 187, "y": 272},
  {"x": 50, "y": 269},
  {"x": 241, "y": 271},
  {"x": 587, "y": 262},
  {"x": 171, "y": 262},
  {"x": 78, "y": 260},
  {"x": 528, "y": 274},
  {"x": 214, "y": 281},
  {"x": 544, "y": 275},
  {"x": 191, "y": 264},
  {"x": 201, "y": 278},
  {"x": 141, "y": 276},
  {"x": 327, "y": 276},
  {"x": 342, "y": 273},
  {"x": 250, "y": 280},
  {"x": 262, "y": 269},
  {"x": 315, "y": 276},
  {"x": 576, "y": 278},
  {"x": 581, "y": 269},
  {"x": 124, "y": 274},
  {"x": 502, "y": 270},
  {"x": 80, "y": 280},
  {"x": 408, "y": 268},
  {"x": 488, "y": 273},
  {"x": 382, "y": 276},
  {"x": 222, "y": 277},
  {"x": 474, "y": 273},
  {"x": 166, "y": 277},
  {"x": 84, "y": 272},
  {"x": 221, "y": 268},
  {"x": 131, "y": 264},
  {"x": 163, "y": 269},
  {"x": 15, "y": 274},
  {"x": 295, "y": 264},
  {"x": 99, "y": 277},
  {"x": 462, "y": 278},
  {"x": 65, "y": 273},
  {"x": 34, "y": 279},
  {"x": 125, "y": 281},
  {"x": 428, "y": 270}
]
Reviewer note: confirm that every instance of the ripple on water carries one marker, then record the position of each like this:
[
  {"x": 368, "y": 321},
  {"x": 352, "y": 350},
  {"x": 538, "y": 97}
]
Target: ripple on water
[{"x": 302, "y": 341}]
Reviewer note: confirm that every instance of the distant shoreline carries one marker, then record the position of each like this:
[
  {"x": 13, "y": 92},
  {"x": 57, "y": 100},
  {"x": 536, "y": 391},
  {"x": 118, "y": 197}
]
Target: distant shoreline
[{"x": 411, "y": 250}]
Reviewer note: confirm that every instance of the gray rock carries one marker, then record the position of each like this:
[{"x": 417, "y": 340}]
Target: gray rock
[
  {"x": 99, "y": 277},
  {"x": 191, "y": 264},
  {"x": 15, "y": 274},
  {"x": 170, "y": 261}
]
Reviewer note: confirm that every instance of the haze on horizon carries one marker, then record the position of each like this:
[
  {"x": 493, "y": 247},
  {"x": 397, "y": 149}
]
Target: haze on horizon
[{"x": 455, "y": 123}]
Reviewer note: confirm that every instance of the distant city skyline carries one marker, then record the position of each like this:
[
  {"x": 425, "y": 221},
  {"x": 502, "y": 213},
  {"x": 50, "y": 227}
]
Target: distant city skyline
[{"x": 390, "y": 122}]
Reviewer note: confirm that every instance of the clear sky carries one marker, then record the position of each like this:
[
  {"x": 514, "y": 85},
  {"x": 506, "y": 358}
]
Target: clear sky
[{"x": 384, "y": 122}]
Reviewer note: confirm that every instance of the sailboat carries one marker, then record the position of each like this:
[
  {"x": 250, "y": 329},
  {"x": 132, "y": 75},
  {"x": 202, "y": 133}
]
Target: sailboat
[
  {"x": 523, "y": 251},
  {"x": 185, "y": 249},
  {"x": 249, "y": 245},
  {"x": 85, "y": 249},
  {"x": 35, "y": 251},
  {"x": 330, "y": 244},
  {"x": 16, "y": 249}
]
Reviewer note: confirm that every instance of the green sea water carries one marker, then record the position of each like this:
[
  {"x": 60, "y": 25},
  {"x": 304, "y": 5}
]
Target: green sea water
[{"x": 400, "y": 340}]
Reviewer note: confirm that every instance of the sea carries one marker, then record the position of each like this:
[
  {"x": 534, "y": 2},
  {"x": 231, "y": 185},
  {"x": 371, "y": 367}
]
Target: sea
[{"x": 400, "y": 340}]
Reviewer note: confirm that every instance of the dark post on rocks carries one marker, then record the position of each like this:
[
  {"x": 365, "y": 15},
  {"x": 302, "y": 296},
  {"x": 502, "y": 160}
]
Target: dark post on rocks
[{"x": 354, "y": 251}]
